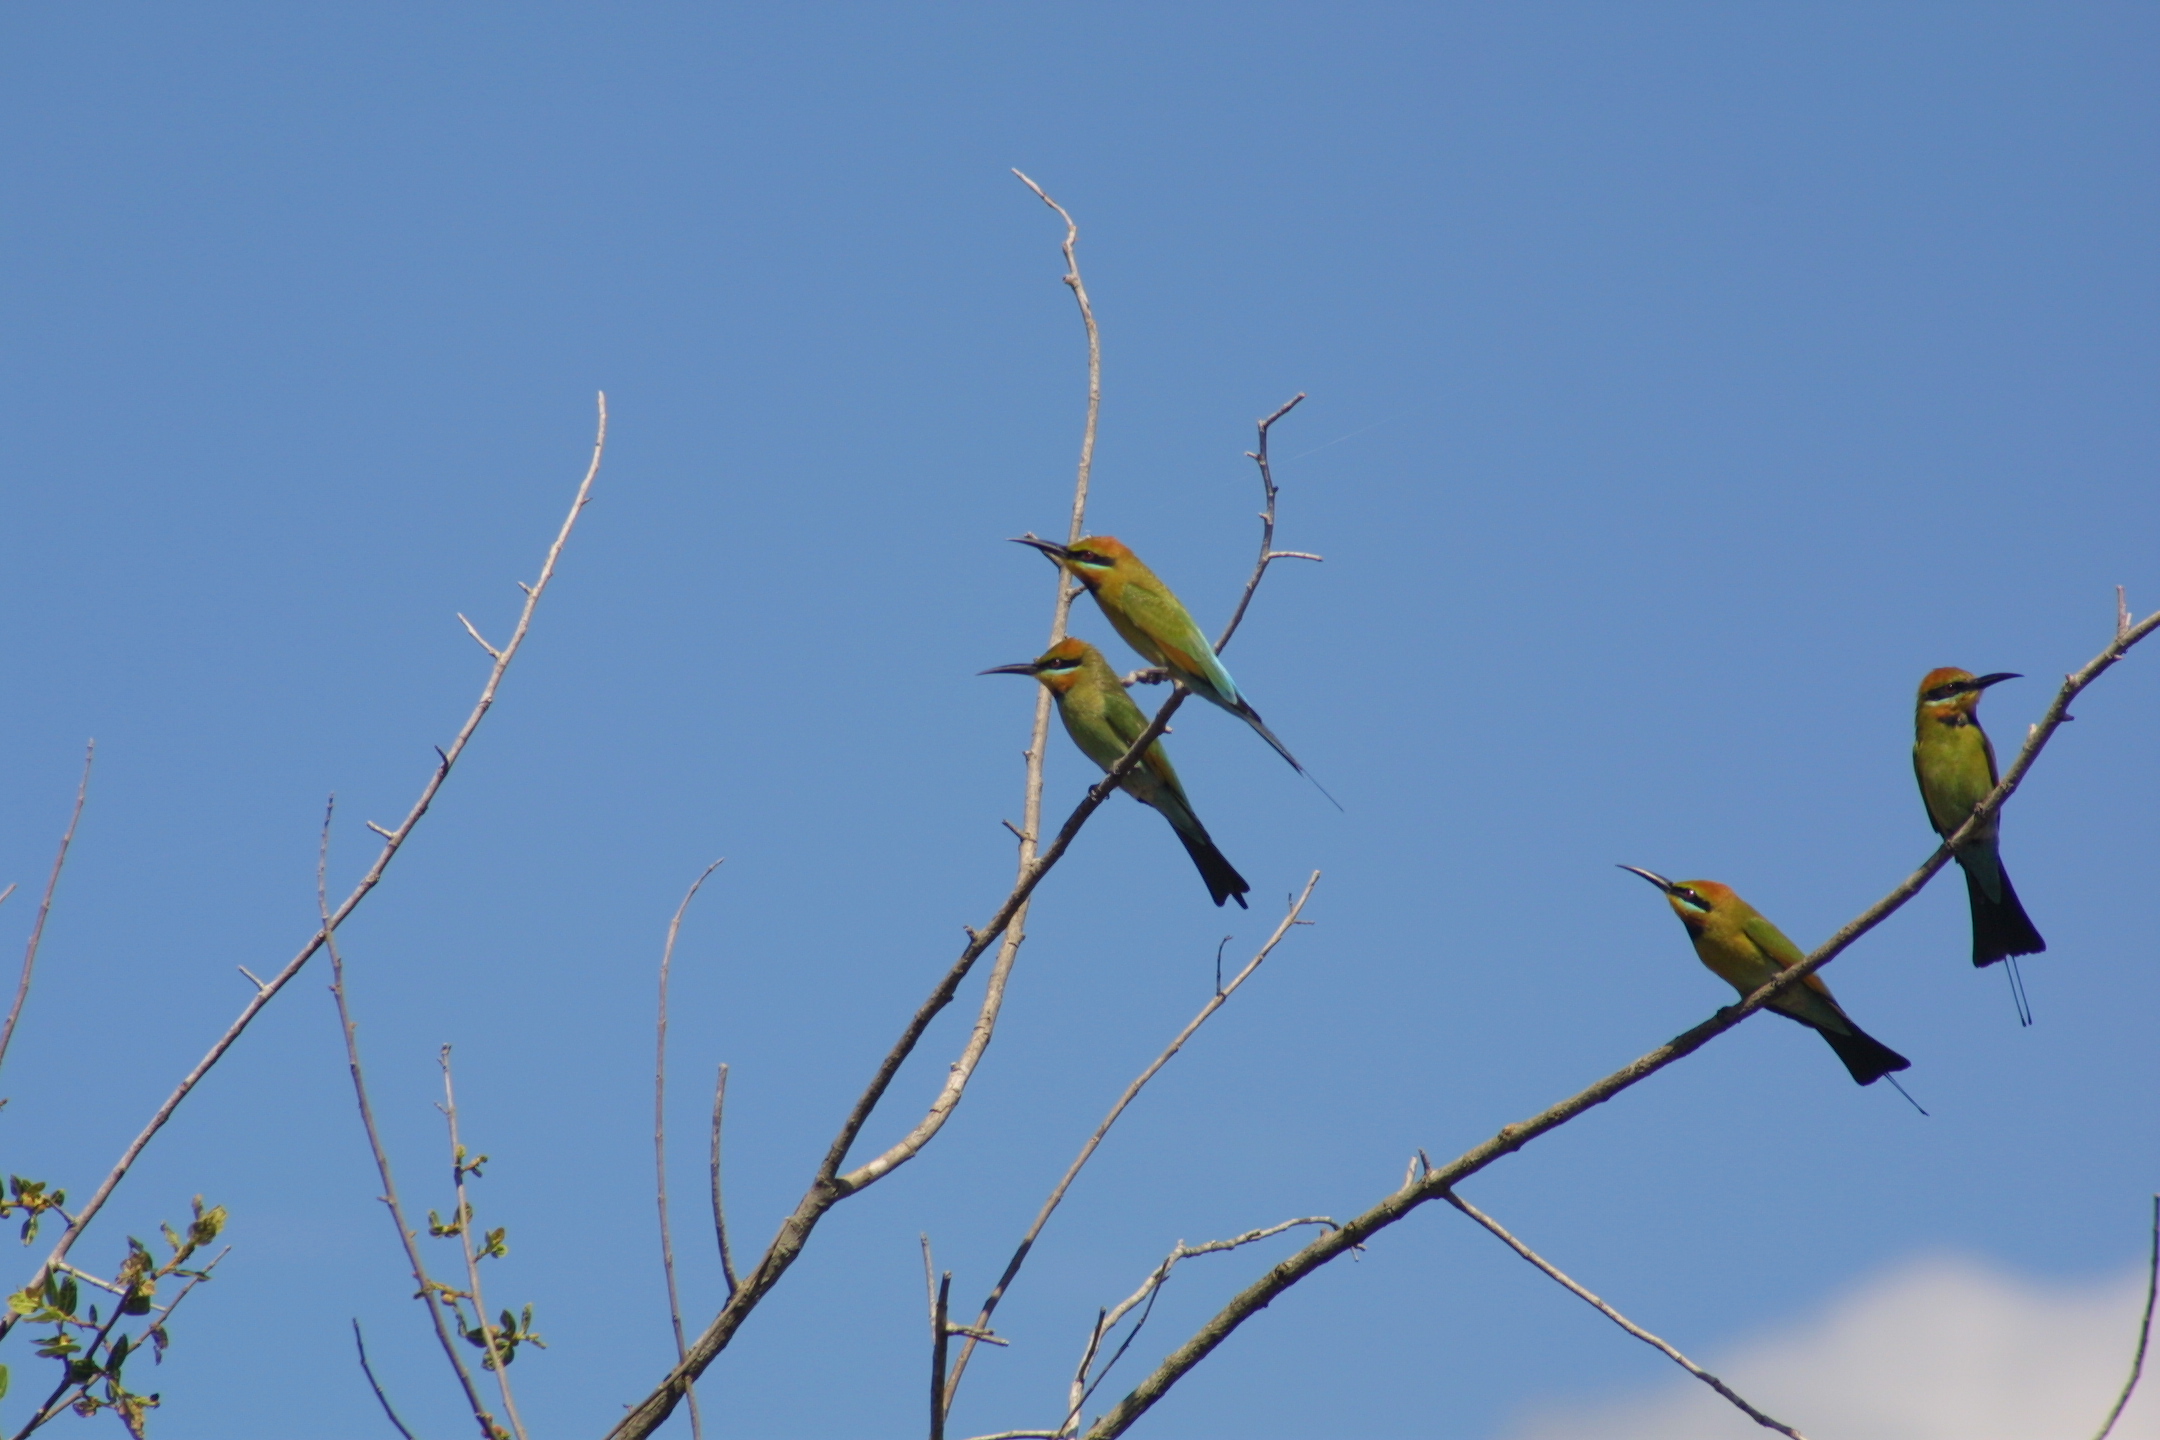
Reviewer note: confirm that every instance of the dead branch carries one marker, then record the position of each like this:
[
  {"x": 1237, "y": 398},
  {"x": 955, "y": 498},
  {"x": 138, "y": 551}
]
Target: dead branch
[
  {"x": 37, "y": 930},
  {"x": 1618, "y": 1319},
  {"x": 2152, "y": 1283},
  {"x": 1268, "y": 554},
  {"x": 429, "y": 1294},
  {"x": 659, "y": 1139},
  {"x": 1087, "y": 1151},
  {"x": 376, "y": 1385},
  {"x": 446, "y": 760},
  {"x": 1107, "y": 1320},
  {"x": 719, "y": 1210}
]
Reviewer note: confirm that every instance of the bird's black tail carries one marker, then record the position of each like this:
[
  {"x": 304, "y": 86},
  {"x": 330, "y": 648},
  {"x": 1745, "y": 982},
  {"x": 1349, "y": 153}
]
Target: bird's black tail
[
  {"x": 1866, "y": 1057},
  {"x": 1223, "y": 881},
  {"x": 2000, "y": 927}
]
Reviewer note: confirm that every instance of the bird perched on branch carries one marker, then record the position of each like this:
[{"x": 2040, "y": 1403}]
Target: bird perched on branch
[
  {"x": 1746, "y": 951},
  {"x": 1956, "y": 766},
  {"x": 1153, "y": 621},
  {"x": 1104, "y": 722}
]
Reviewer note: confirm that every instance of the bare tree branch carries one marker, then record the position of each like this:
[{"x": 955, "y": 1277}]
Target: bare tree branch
[
  {"x": 1618, "y": 1319},
  {"x": 1087, "y": 1151},
  {"x": 659, "y": 1138},
  {"x": 496, "y": 1349},
  {"x": 1007, "y": 928},
  {"x": 1105, "y": 1321},
  {"x": 37, "y": 931},
  {"x": 830, "y": 1185},
  {"x": 376, "y": 1385},
  {"x": 392, "y": 843},
  {"x": 429, "y": 1294},
  {"x": 719, "y": 1210},
  {"x": 2152, "y": 1288},
  {"x": 1259, "y": 456},
  {"x": 1441, "y": 1179}
]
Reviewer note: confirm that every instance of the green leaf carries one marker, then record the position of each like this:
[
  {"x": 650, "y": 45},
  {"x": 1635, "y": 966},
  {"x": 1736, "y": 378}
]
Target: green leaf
[{"x": 3, "y": 1381}]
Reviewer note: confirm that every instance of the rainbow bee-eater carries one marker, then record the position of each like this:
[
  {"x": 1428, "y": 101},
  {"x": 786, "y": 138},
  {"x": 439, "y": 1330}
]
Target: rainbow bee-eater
[
  {"x": 1156, "y": 623},
  {"x": 1746, "y": 951},
  {"x": 1956, "y": 766},
  {"x": 1104, "y": 722}
]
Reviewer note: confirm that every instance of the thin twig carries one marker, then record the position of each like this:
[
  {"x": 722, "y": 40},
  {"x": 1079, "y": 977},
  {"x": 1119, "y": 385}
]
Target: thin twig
[
  {"x": 376, "y": 1385},
  {"x": 37, "y": 931},
  {"x": 1618, "y": 1319},
  {"x": 1087, "y": 1151},
  {"x": 1082, "y": 1386},
  {"x": 392, "y": 843},
  {"x": 429, "y": 1293},
  {"x": 659, "y": 1135},
  {"x": 497, "y": 1351},
  {"x": 1441, "y": 1179},
  {"x": 491, "y": 650},
  {"x": 719, "y": 1210},
  {"x": 1259, "y": 456},
  {"x": 1094, "y": 344},
  {"x": 2152, "y": 1288}
]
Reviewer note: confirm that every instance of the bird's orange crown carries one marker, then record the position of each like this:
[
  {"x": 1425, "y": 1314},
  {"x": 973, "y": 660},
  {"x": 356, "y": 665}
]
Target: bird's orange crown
[
  {"x": 1948, "y": 684},
  {"x": 1949, "y": 690},
  {"x": 1097, "y": 552}
]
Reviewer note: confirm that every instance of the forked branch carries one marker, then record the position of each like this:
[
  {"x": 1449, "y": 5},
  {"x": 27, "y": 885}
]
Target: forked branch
[{"x": 1087, "y": 1152}]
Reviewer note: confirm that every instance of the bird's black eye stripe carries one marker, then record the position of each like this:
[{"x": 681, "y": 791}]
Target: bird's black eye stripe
[
  {"x": 1691, "y": 897},
  {"x": 1063, "y": 662},
  {"x": 1948, "y": 692}
]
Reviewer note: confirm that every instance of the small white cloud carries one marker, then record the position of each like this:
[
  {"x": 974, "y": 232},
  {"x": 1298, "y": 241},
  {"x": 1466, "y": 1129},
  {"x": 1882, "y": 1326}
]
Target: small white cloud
[{"x": 1935, "y": 1350}]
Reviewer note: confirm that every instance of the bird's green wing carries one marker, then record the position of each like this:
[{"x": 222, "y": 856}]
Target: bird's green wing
[
  {"x": 1810, "y": 1000},
  {"x": 1158, "y": 612},
  {"x": 1772, "y": 942}
]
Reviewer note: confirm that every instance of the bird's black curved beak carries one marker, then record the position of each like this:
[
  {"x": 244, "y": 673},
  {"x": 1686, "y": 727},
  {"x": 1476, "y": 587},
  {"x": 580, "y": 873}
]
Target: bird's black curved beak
[
  {"x": 1653, "y": 877},
  {"x": 1996, "y": 679},
  {"x": 1026, "y": 669},
  {"x": 1048, "y": 547}
]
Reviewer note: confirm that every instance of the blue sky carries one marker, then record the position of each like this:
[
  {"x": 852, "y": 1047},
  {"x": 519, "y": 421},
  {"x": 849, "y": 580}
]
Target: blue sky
[{"x": 1685, "y": 382}]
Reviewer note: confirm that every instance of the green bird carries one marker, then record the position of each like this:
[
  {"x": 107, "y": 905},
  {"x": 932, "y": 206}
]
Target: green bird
[
  {"x": 1104, "y": 722},
  {"x": 1956, "y": 768},
  {"x": 1746, "y": 951},
  {"x": 1150, "y": 617}
]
